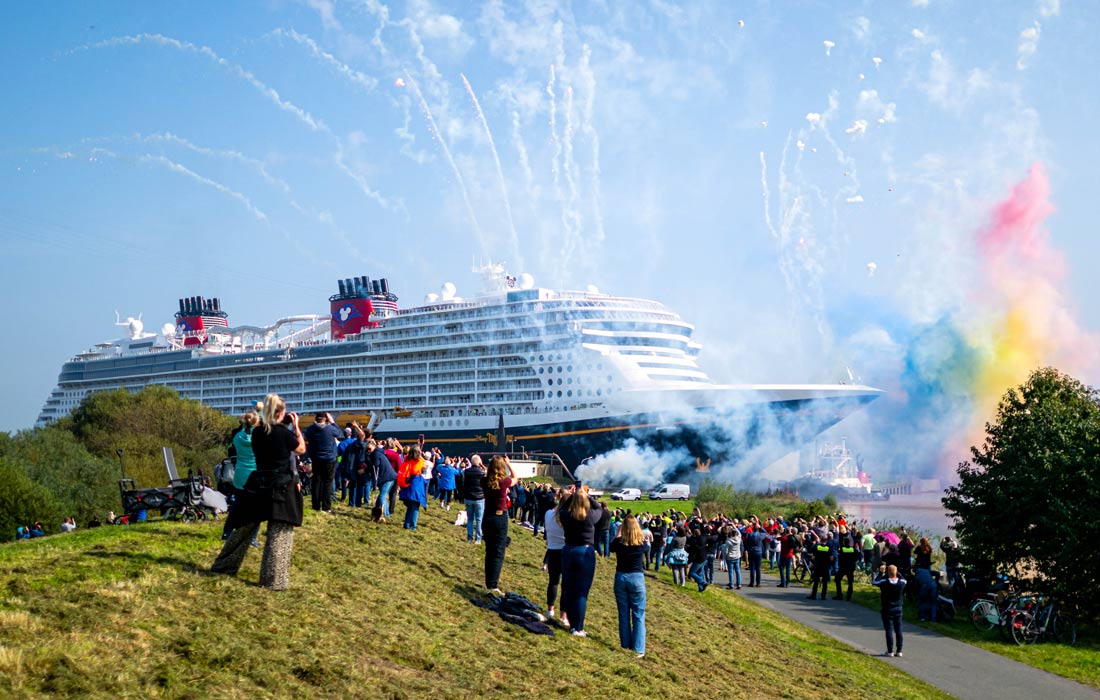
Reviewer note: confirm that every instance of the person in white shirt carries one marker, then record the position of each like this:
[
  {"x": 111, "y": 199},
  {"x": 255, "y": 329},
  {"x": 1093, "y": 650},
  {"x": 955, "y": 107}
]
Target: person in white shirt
[{"x": 555, "y": 540}]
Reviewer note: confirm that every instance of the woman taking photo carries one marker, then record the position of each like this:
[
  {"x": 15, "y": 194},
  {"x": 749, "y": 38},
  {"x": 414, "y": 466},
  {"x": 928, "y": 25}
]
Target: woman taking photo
[
  {"x": 580, "y": 517},
  {"x": 494, "y": 528},
  {"x": 630, "y": 551},
  {"x": 413, "y": 488},
  {"x": 272, "y": 493}
]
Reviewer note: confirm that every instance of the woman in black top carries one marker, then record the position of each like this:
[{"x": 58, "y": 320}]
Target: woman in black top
[
  {"x": 630, "y": 597},
  {"x": 580, "y": 517},
  {"x": 272, "y": 494}
]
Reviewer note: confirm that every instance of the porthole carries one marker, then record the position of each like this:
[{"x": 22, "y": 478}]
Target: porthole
[
  {"x": 549, "y": 394},
  {"x": 599, "y": 392},
  {"x": 559, "y": 394},
  {"x": 541, "y": 370},
  {"x": 541, "y": 358},
  {"x": 569, "y": 393},
  {"x": 559, "y": 381},
  {"x": 569, "y": 381},
  {"x": 559, "y": 357},
  {"x": 569, "y": 368}
]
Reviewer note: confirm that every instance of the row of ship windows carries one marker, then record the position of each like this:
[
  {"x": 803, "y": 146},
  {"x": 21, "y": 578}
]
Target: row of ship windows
[{"x": 527, "y": 311}]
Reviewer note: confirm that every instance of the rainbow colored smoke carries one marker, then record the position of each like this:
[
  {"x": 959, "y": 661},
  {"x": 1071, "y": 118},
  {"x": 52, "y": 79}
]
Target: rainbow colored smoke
[{"x": 1015, "y": 317}]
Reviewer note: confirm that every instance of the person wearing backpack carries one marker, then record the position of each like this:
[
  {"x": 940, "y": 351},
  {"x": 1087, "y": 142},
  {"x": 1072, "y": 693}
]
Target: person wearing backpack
[{"x": 731, "y": 552}]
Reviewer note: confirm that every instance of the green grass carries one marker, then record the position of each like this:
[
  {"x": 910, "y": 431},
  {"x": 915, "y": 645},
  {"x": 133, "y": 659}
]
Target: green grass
[
  {"x": 375, "y": 612},
  {"x": 647, "y": 506}
]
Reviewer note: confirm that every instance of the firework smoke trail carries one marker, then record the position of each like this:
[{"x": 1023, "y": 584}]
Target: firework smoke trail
[
  {"x": 450, "y": 160},
  {"x": 186, "y": 46},
  {"x": 517, "y": 259},
  {"x": 555, "y": 159},
  {"x": 365, "y": 81},
  {"x": 260, "y": 168},
  {"x": 524, "y": 161},
  {"x": 570, "y": 215},
  {"x": 589, "y": 130},
  {"x": 270, "y": 93},
  {"x": 799, "y": 262},
  {"x": 184, "y": 170}
]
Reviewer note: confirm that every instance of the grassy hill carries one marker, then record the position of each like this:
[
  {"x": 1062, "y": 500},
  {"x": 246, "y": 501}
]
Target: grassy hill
[{"x": 376, "y": 612}]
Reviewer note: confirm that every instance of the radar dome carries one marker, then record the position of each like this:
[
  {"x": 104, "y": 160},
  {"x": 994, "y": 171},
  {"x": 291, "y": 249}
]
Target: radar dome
[
  {"x": 168, "y": 330},
  {"x": 431, "y": 298},
  {"x": 447, "y": 291},
  {"x": 526, "y": 280},
  {"x": 592, "y": 289},
  {"x": 135, "y": 327}
]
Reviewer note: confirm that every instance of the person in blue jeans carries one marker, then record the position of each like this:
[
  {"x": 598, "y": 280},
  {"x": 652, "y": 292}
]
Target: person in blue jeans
[
  {"x": 713, "y": 543},
  {"x": 697, "y": 556},
  {"x": 630, "y": 598},
  {"x": 731, "y": 551},
  {"x": 414, "y": 488},
  {"x": 891, "y": 587},
  {"x": 384, "y": 475},
  {"x": 473, "y": 495},
  {"x": 755, "y": 542},
  {"x": 580, "y": 517}
]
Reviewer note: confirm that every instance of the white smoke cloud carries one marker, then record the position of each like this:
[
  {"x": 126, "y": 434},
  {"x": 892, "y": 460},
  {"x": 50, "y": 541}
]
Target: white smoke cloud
[
  {"x": 861, "y": 28},
  {"x": 1027, "y": 46},
  {"x": 634, "y": 465},
  {"x": 1049, "y": 8},
  {"x": 859, "y": 126}
]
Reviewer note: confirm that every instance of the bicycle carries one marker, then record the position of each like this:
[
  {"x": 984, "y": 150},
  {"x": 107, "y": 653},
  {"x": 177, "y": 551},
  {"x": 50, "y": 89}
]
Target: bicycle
[
  {"x": 1037, "y": 621},
  {"x": 803, "y": 566},
  {"x": 995, "y": 611}
]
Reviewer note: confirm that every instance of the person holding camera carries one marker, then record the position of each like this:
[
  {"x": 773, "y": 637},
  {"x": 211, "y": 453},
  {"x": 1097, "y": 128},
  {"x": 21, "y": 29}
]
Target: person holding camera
[
  {"x": 321, "y": 440},
  {"x": 272, "y": 494}
]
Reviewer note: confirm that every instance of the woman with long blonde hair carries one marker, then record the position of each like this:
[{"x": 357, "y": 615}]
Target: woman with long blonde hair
[
  {"x": 272, "y": 494},
  {"x": 630, "y": 548},
  {"x": 494, "y": 527}
]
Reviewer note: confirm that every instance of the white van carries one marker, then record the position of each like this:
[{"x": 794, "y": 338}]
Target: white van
[
  {"x": 671, "y": 492},
  {"x": 627, "y": 495}
]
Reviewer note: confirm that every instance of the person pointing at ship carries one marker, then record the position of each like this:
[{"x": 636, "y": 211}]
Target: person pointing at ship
[{"x": 321, "y": 440}]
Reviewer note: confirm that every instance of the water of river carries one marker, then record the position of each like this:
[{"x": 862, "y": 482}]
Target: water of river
[{"x": 925, "y": 514}]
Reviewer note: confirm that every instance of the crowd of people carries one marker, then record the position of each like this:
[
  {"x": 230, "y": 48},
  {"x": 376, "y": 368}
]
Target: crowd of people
[
  {"x": 276, "y": 463},
  {"x": 30, "y": 532}
]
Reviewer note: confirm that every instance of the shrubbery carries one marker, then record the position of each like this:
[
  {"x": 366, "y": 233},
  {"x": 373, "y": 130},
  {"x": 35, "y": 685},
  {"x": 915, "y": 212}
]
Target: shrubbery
[
  {"x": 713, "y": 497},
  {"x": 71, "y": 467}
]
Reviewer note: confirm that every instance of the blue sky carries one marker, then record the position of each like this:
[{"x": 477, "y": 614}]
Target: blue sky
[{"x": 260, "y": 151}]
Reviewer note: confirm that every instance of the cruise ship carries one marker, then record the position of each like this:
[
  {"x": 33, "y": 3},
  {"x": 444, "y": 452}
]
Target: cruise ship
[{"x": 569, "y": 373}]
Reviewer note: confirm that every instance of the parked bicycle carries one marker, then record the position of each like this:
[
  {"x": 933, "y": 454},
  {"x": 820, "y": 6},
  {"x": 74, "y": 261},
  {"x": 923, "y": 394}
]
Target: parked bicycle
[{"x": 1037, "y": 620}]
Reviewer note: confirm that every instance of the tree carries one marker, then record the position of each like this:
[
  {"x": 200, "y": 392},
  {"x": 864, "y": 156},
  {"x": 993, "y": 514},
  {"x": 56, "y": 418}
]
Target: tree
[
  {"x": 141, "y": 423},
  {"x": 1025, "y": 504},
  {"x": 79, "y": 483},
  {"x": 22, "y": 502}
]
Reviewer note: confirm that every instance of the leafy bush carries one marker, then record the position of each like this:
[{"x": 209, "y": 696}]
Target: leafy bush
[
  {"x": 78, "y": 483},
  {"x": 1025, "y": 504},
  {"x": 22, "y": 502},
  {"x": 140, "y": 424}
]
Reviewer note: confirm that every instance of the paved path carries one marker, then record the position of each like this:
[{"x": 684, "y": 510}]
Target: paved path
[{"x": 963, "y": 670}]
